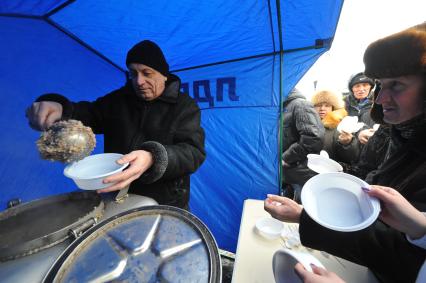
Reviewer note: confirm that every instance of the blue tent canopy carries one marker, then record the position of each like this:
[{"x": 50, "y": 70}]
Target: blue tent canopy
[{"x": 238, "y": 59}]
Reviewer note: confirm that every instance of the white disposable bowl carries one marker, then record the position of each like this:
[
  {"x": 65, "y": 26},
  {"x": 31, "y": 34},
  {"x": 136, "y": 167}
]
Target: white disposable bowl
[
  {"x": 270, "y": 228},
  {"x": 321, "y": 164},
  {"x": 283, "y": 263},
  {"x": 89, "y": 172},
  {"x": 349, "y": 124},
  {"x": 336, "y": 201}
]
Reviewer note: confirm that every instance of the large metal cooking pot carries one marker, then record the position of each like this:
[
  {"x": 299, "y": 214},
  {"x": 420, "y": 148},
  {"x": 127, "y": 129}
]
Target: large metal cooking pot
[
  {"x": 34, "y": 234},
  {"x": 146, "y": 244}
]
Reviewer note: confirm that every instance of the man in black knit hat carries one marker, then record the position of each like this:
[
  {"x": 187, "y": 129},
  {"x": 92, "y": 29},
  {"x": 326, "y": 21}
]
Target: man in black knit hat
[
  {"x": 149, "y": 120},
  {"x": 359, "y": 102}
]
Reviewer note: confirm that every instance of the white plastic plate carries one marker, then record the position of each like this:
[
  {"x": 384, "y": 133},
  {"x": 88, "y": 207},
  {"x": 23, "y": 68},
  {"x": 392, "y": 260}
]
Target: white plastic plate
[
  {"x": 321, "y": 164},
  {"x": 336, "y": 201}
]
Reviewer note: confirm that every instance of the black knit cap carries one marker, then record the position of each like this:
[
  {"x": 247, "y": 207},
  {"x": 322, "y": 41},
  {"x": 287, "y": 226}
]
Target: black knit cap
[
  {"x": 359, "y": 78},
  {"x": 148, "y": 53}
]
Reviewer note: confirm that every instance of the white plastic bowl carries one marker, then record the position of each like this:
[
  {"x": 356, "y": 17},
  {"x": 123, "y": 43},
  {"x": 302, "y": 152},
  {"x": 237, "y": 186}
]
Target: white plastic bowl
[
  {"x": 283, "y": 263},
  {"x": 336, "y": 201},
  {"x": 89, "y": 172},
  {"x": 269, "y": 228},
  {"x": 321, "y": 164},
  {"x": 350, "y": 125}
]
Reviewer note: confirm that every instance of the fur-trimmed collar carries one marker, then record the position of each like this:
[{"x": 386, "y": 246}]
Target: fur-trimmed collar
[{"x": 333, "y": 118}]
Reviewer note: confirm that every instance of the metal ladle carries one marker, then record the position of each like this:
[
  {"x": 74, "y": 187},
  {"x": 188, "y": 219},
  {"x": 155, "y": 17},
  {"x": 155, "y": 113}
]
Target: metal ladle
[
  {"x": 69, "y": 141},
  {"x": 66, "y": 141}
]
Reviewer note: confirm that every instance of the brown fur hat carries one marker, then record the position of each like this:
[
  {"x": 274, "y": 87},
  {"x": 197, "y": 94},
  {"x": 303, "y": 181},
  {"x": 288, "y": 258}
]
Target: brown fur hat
[
  {"x": 402, "y": 53},
  {"x": 329, "y": 97}
]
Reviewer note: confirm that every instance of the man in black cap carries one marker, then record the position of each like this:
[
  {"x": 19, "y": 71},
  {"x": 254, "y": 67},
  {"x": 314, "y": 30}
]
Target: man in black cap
[
  {"x": 359, "y": 102},
  {"x": 360, "y": 95},
  {"x": 149, "y": 120}
]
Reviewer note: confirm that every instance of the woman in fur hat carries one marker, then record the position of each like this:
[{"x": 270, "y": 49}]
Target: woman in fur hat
[
  {"x": 399, "y": 63},
  {"x": 340, "y": 147}
]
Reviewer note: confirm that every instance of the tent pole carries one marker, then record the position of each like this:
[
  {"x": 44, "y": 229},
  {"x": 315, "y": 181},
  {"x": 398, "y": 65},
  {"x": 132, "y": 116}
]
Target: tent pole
[{"x": 281, "y": 100}]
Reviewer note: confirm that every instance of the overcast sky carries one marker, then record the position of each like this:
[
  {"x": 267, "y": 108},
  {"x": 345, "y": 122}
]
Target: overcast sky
[{"x": 361, "y": 22}]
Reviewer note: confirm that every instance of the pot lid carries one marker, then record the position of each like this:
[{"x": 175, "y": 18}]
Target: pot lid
[
  {"x": 28, "y": 228},
  {"x": 147, "y": 244}
]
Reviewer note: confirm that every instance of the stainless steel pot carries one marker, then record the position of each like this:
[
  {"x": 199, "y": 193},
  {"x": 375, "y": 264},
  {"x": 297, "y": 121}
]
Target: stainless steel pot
[{"x": 34, "y": 234}]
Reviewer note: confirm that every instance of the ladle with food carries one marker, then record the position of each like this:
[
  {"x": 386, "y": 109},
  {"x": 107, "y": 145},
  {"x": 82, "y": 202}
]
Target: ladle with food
[
  {"x": 66, "y": 141},
  {"x": 69, "y": 141}
]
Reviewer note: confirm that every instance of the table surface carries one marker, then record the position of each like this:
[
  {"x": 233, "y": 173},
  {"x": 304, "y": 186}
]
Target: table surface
[{"x": 253, "y": 260}]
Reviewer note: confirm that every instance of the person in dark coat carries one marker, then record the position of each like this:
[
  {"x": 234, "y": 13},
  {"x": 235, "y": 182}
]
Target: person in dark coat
[
  {"x": 373, "y": 154},
  {"x": 399, "y": 63},
  {"x": 149, "y": 120},
  {"x": 398, "y": 213},
  {"x": 360, "y": 98},
  {"x": 302, "y": 133},
  {"x": 341, "y": 147},
  {"x": 359, "y": 102}
]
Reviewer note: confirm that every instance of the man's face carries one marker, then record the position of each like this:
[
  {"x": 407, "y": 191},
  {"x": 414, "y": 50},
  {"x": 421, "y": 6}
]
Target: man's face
[
  {"x": 361, "y": 90},
  {"x": 147, "y": 82},
  {"x": 323, "y": 109},
  {"x": 401, "y": 98}
]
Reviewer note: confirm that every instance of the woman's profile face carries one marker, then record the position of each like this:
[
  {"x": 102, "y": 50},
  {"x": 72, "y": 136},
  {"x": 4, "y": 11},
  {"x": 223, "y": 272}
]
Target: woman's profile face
[{"x": 401, "y": 98}]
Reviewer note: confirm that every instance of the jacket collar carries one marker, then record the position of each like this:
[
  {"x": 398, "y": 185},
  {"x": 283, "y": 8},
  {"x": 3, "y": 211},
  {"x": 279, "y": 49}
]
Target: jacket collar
[
  {"x": 333, "y": 118},
  {"x": 171, "y": 92},
  {"x": 365, "y": 103}
]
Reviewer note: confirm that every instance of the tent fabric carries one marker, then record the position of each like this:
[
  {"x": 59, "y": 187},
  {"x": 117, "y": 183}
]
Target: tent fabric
[
  {"x": 29, "y": 8},
  {"x": 237, "y": 59}
]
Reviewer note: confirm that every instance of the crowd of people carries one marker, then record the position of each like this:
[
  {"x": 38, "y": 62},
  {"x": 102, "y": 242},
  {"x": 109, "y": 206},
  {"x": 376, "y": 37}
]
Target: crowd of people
[
  {"x": 313, "y": 127},
  {"x": 158, "y": 129},
  {"x": 390, "y": 92}
]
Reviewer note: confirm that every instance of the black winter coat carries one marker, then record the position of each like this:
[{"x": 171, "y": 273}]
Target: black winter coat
[
  {"x": 385, "y": 251},
  {"x": 303, "y": 133},
  {"x": 362, "y": 112},
  {"x": 382, "y": 249},
  {"x": 341, "y": 153},
  {"x": 168, "y": 127},
  {"x": 372, "y": 154}
]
